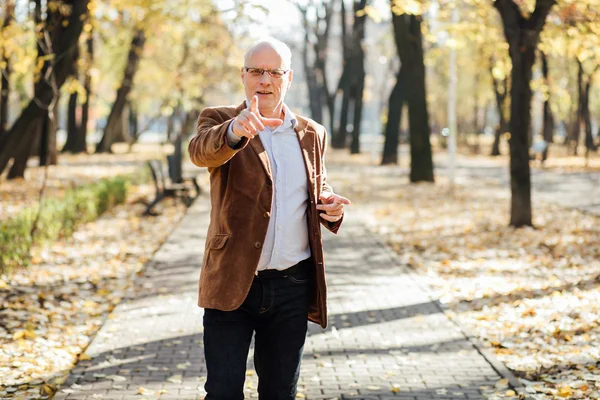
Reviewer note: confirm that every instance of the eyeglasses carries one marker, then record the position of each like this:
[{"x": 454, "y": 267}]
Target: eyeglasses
[{"x": 273, "y": 73}]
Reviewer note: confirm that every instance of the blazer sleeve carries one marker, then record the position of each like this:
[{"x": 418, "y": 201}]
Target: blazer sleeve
[
  {"x": 209, "y": 147},
  {"x": 326, "y": 187}
]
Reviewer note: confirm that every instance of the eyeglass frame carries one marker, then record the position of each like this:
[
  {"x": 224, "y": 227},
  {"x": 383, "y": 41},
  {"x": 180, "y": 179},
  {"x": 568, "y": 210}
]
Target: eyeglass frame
[{"x": 268, "y": 71}]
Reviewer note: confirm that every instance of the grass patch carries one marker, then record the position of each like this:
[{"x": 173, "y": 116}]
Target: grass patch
[{"x": 59, "y": 217}]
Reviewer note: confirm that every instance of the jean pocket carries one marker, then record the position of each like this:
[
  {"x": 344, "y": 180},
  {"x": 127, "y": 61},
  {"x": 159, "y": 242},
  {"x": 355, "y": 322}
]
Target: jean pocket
[{"x": 298, "y": 279}]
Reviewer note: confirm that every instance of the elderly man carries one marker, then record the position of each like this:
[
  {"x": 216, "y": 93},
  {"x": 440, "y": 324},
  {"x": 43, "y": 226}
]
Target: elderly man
[{"x": 263, "y": 264}]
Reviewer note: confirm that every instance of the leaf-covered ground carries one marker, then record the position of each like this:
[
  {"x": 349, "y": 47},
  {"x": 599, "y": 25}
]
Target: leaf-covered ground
[
  {"x": 530, "y": 295},
  {"x": 72, "y": 170},
  {"x": 50, "y": 311}
]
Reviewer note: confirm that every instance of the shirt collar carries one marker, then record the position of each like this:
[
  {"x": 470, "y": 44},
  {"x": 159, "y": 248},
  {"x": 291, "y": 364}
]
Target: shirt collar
[{"x": 289, "y": 119}]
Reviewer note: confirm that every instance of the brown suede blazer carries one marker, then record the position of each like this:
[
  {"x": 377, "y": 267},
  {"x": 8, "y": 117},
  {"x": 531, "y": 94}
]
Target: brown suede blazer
[{"x": 241, "y": 193}]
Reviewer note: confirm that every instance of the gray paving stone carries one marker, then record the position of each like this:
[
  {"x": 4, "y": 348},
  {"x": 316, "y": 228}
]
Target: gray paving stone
[{"x": 385, "y": 330}]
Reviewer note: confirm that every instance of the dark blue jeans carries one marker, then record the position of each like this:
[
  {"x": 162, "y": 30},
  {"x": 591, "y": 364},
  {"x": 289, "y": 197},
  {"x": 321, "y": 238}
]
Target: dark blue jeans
[{"x": 277, "y": 310}]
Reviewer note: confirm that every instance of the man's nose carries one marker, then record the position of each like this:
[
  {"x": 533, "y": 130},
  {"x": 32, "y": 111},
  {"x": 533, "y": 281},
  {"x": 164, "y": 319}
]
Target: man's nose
[{"x": 265, "y": 78}]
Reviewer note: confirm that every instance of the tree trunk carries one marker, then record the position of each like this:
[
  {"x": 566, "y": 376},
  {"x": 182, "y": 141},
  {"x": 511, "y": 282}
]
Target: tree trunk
[
  {"x": 115, "y": 116},
  {"x": 421, "y": 159},
  {"x": 410, "y": 48},
  {"x": 48, "y": 148},
  {"x": 72, "y": 126},
  {"x": 321, "y": 51},
  {"x": 18, "y": 139},
  {"x": 501, "y": 91},
  {"x": 314, "y": 94},
  {"x": 357, "y": 115},
  {"x": 81, "y": 144},
  {"x": 548, "y": 129},
  {"x": 133, "y": 122},
  {"x": 358, "y": 64},
  {"x": 392, "y": 128},
  {"x": 5, "y": 72},
  {"x": 586, "y": 117},
  {"x": 352, "y": 80},
  {"x": 21, "y": 155},
  {"x": 575, "y": 131},
  {"x": 339, "y": 138},
  {"x": 522, "y": 35}
]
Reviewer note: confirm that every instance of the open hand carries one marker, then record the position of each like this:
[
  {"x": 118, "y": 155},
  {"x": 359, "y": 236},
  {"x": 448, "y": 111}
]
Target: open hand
[{"x": 249, "y": 122}]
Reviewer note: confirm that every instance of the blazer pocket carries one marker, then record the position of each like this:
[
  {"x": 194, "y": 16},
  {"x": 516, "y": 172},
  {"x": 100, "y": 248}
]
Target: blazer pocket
[{"x": 218, "y": 241}]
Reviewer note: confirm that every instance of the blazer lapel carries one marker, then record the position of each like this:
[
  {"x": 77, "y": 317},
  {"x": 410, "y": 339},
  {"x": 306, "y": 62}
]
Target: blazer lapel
[
  {"x": 259, "y": 148},
  {"x": 306, "y": 138}
]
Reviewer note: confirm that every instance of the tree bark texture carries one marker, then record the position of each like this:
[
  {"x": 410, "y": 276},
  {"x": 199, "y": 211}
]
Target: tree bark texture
[
  {"x": 64, "y": 40},
  {"x": 501, "y": 92},
  {"x": 548, "y": 127},
  {"x": 5, "y": 72},
  {"x": 575, "y": 131},
  {"x": 522, "y": 35},
  {"x": 394, "y": 119},
  {"x": 81, "y": 144},
  {"x": 314, "y": 98},
  {"x": 396, "y": 100},
  {"x": 412, "y": 57},
  {"x": 114, "y": 122},
  {"x": 585, "y": 114},
  {"x": 72, "y": 125},
  {"x": 351, "y": 82}
]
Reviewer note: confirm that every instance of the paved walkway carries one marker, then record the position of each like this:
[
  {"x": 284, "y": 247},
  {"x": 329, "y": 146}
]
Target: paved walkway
[
  {"x": 579, "y": 190},
  {"x": 387, "y": 338}
]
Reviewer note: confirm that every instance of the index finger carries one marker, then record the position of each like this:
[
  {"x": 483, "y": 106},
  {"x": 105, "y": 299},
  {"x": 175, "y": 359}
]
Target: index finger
[
  {"x": 341, "y": 200},
  {"x": 254, "y": 105}
]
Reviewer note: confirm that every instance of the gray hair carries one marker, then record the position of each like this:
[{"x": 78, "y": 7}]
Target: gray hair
[{"x": 280, "y": 48}]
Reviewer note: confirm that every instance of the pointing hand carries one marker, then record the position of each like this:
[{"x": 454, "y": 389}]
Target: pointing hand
[{"x": 249, "y": 122}]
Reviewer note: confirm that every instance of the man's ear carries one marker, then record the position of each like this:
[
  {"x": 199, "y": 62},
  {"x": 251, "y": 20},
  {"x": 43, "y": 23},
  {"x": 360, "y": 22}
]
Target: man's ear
[{"x": 291, "y": 76}]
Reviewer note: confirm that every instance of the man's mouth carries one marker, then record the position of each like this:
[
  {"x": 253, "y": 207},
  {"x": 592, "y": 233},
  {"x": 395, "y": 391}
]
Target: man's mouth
[{"x": 263, "y": 92}]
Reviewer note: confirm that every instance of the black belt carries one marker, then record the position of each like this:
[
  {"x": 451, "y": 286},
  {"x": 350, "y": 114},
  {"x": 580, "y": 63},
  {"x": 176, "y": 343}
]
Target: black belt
[{"x": 282, "y": 273}]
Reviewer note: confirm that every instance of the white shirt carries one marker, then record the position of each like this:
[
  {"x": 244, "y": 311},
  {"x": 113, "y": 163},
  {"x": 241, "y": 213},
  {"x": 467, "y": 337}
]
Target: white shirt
[{"x": 286, "y": 242}]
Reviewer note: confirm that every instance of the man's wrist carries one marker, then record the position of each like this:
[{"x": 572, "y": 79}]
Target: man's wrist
[{"x": 232, "y": 138}]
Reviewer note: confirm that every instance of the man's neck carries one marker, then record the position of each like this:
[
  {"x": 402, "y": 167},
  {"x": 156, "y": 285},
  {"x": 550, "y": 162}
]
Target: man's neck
[{"x": 278, "y": 112}]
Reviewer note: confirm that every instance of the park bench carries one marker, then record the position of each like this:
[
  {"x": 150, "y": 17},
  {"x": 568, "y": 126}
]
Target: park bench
[
  {"x": 176, "y": 174},
  {"x": 166, "y": 188}
]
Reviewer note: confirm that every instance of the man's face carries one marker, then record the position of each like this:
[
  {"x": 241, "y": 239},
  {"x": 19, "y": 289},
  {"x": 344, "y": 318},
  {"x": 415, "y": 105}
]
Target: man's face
[{"x": 270, "y": 90}]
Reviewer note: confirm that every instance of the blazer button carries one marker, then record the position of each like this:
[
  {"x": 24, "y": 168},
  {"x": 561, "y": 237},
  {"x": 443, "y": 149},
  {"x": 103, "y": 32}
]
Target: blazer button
[
  {"x": 267, "y": 214},
  {"x": 258, "y": 245}
]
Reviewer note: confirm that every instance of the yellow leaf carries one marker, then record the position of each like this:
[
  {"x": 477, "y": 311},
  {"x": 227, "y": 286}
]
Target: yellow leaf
[
  {"x": 84, "y": 357},
  {"x": 395, "y": 389},
  {"x": 28, "y": 334},
  {"x": 143, "y": 391},
  {"x": 47, "y": 389},
  {"x": 502, "y": 383},
  {"x": 300, "y": 395},
  {"x": 510, "y": 393},
  {"x": 4, "y": 285},
  {"x": 565, "y": 391}
]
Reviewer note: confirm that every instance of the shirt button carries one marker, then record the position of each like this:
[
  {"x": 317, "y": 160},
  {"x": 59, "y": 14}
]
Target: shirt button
[
  {"x": 258, "y": 245},
  {"x": 267, "y": 214}
]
